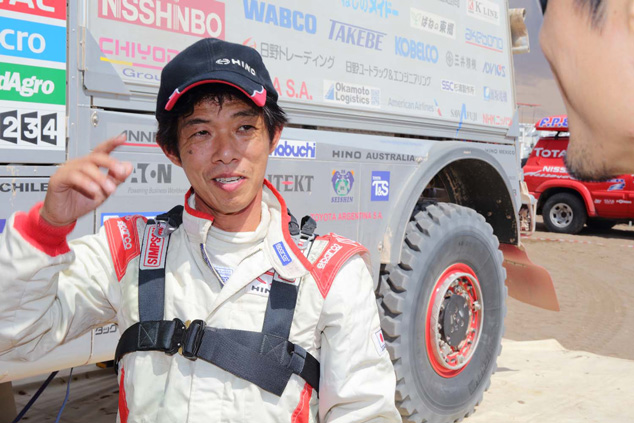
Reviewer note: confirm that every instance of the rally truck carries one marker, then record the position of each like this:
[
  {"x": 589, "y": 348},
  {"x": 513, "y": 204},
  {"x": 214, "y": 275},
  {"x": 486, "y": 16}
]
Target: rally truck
[{"x": 402, "y": 135}]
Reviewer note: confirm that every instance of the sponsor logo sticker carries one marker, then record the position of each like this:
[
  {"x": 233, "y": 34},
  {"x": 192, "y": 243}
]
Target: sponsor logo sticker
[
  {"x": 459, "y": 60},
  {"x": 292, "y": 183},
  {"x": 295, "y": 149},
  {"x": 381, "y": 9},
  {"x": 18, "y": 186},
  {"x": 380, "y": 186},
  {"x": 154, "y": 249},
  {"x": 201, "y": 18},
  {"x": 432, "y": 23},
  {"x": 484, "y": 10},
  {"x": 32, "y": 40},
  {"x": 352, "y": 94},
  {"x": 282, "y": 254},
  {"x": 279, "y": 16},
  {"x": 542, "y": 152},
  {"x": 342, "y": 182},
  {"x": 457, "y": 87},
  {"x": 32, "y": 84},
  {"x": 356, "y": 35},
  {"x": 491, "y": 68},
  {"x": 617, "y": 184},
  {"x": 415, "y": 49},
  {"x": 484, "y": 40},
  {"x": 496, "y": 120},
  {"x": 554, "y": 122},
  {"x": 45, "y": 8},
  {"x": 379, "y": 341},
  {"x": 491, "y": 94}
]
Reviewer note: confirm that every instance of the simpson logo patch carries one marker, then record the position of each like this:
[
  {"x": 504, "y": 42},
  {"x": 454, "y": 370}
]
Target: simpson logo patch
[
  {"x": 123, "y": 242},
  {"x": 154, "y": 249},
  {"x": 282, "y": 254},
  {"x": 379, "y": 341}
]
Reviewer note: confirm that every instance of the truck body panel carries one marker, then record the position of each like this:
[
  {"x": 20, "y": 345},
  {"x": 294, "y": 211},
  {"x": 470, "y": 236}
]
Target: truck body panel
[{"x": 393, "y": 98}]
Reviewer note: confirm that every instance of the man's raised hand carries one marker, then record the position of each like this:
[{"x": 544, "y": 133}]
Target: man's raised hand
[{"x": 80, "y": 186}]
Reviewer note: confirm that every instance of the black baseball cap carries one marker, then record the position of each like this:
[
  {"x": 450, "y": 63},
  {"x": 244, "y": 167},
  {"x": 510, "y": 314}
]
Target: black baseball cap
[{"x": 214, "y": 61}]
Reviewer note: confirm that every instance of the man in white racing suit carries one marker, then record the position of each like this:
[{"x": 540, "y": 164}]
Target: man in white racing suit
[{"x": 193, "y": 297}]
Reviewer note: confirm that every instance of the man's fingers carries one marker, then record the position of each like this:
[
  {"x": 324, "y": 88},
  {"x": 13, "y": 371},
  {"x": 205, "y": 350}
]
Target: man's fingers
[
  {"x": 86, "y": 185},
  {"x": 109, "y": 145},
  {"x": 105, "y": 182},
  {"x": 116, "y": 169}
]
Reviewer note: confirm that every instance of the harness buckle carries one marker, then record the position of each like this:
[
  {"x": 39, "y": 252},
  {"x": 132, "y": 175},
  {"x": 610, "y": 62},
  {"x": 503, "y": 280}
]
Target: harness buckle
[
  {"x": 192, "y": 339},
  {"x": 177, "y": 337}
]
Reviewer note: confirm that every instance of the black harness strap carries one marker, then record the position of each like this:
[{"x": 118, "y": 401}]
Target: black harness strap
[
  {"x": 280, "y": 308},
  {"x": 267, "y": 359},
  {"x": 152, "y": 275}
]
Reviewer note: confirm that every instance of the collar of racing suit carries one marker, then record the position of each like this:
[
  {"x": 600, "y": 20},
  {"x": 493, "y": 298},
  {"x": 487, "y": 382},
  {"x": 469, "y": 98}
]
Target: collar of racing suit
[{"x": 278, "y": 246}]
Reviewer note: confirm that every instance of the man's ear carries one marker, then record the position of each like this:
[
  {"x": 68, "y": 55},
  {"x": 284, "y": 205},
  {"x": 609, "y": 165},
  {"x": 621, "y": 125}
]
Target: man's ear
[
  {"x": 276, "y": 138},
  {"x": 174, "y": 158}
]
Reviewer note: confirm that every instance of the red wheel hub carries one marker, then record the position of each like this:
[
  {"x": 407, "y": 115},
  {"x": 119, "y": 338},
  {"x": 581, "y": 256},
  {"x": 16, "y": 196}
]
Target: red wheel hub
[{"x": 454, "y": 320}]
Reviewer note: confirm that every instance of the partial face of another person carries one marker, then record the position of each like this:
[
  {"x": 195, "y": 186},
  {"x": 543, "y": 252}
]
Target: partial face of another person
[
  {"x": 224, "y": 150},
  {"x": 590, "y": 47}
]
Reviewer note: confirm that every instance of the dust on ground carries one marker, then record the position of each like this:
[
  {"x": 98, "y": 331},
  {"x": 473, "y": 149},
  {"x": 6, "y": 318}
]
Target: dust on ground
[{"x": 593, "y": 273}]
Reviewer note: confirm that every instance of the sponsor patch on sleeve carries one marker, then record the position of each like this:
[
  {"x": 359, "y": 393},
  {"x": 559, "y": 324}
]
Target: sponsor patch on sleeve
[
  {"x": 338, "y": 251},
  {"x": 123, "y": 242},
  {"x": 379, "y": 341}
]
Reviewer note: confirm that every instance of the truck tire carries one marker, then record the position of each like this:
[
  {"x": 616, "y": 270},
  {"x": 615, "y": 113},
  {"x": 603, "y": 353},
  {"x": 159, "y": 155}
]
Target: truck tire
[
  {"x": 450, "y": 261},
  {"x": 564, "y": 213}
]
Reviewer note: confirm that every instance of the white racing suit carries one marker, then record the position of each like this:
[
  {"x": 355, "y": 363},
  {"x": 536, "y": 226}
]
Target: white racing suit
[{"x": 54, "y": 291}]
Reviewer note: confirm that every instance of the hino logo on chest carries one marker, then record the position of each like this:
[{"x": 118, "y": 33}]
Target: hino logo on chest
[{"x": 261, "y": 285}]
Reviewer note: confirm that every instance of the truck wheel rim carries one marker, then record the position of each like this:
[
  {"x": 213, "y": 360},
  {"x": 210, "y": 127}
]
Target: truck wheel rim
[
  {"x": 561, "y": 215},
  {"x": 454, "y": 320}
]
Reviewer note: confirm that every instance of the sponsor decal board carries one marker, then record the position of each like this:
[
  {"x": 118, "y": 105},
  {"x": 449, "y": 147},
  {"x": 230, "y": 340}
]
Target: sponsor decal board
[{"x": 355, "y": 57}]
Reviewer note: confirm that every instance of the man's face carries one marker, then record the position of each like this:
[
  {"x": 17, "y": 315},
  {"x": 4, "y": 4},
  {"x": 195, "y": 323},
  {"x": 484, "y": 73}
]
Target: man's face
[
  {"x": 594, "y": 68},
  {"x": 224, "y": 151}
]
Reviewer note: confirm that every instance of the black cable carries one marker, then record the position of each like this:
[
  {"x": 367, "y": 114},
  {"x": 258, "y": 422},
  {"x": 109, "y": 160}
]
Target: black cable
[{"x": 35, "y": 397}]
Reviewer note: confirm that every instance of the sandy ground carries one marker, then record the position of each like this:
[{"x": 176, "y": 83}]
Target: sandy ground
[
  {"x": 593, "y": 274},
  {"x": 580, "y": 371}
]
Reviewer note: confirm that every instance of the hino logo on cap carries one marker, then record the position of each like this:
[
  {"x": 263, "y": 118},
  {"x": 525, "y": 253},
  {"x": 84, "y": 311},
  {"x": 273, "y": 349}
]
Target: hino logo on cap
[{"x": 238, "y": 62}]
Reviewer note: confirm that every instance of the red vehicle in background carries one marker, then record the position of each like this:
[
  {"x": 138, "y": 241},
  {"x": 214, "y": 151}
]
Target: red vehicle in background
[{"x": 568, "y": 204}]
